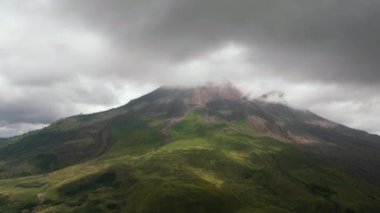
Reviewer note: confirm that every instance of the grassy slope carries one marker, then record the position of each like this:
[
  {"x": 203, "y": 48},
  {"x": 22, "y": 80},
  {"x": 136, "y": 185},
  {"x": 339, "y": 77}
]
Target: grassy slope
[{"x": 207, "y": 167}]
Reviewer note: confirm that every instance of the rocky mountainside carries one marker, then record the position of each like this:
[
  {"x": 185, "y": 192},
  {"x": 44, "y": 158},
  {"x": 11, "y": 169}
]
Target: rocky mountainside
[
  {"x": 354, "y": 150},
  {"x": 203, "y": 149}
]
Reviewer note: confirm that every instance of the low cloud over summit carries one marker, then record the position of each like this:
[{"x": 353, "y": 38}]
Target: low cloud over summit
[{"x": 65, "y": 57}]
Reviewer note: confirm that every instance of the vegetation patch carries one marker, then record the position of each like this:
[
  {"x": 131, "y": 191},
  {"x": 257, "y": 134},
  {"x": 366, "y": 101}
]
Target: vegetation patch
[
  {"x": 323, "y": 191},
  {"x": 45, "y": 161},
  {"x": 89, "y": 182},
  {"x": 3, "y": 199},
  {"x": 33, "y": 184}
]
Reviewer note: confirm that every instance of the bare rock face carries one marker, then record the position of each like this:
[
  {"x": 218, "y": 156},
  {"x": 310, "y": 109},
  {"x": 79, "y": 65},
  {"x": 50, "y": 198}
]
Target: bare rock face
[
  {"x": 205, "y": 94},
  {"x": 195, "y": 96}
]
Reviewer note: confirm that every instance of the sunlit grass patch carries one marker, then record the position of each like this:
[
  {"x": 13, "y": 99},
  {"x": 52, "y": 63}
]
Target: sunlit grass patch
[{"x": 207, "y": 176}]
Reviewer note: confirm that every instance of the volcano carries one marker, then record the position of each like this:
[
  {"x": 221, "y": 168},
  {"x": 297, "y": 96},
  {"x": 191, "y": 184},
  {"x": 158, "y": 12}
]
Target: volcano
[{"x": 199, "y": 149}]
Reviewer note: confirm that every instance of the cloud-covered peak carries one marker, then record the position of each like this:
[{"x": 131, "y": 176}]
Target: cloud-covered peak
[{"x": 66, "y": 57}]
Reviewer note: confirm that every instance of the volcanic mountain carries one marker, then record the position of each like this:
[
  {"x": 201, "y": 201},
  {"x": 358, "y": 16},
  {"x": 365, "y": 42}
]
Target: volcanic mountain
[{"x": 201, "y": 149}]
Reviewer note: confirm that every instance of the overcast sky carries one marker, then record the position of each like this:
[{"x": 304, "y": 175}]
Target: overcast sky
[{"x": 63, "y": 57}]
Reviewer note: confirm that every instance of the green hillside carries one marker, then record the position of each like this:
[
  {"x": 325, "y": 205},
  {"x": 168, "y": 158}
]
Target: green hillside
[
  {"x": 137, "y": 160},
  {"x": 207, "y": 167}
]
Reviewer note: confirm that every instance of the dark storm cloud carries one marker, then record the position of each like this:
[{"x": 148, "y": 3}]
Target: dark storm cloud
[{"x": 329, "y": 40}]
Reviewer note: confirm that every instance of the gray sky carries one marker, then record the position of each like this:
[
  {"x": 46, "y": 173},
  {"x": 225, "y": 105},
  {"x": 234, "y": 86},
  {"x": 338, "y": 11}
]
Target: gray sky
[{"x": 64, "y": 57}]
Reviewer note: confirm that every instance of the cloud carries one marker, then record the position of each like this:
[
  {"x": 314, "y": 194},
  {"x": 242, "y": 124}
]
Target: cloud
[
  {"x": 70, "y": 56},
  {"x": 329, "y": 40},
  {"x": 18, "y": 128}
]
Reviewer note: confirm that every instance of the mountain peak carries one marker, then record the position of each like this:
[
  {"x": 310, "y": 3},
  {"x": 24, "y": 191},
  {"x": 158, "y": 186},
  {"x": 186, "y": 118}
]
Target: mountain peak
[
  {"x": 226, "y": 91},
  {"x": 203, "y": 94},
  {"x": 210, "y": 144}
]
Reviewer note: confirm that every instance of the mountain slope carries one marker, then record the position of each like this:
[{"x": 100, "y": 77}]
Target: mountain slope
[{"x": 205, "y": 149}]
